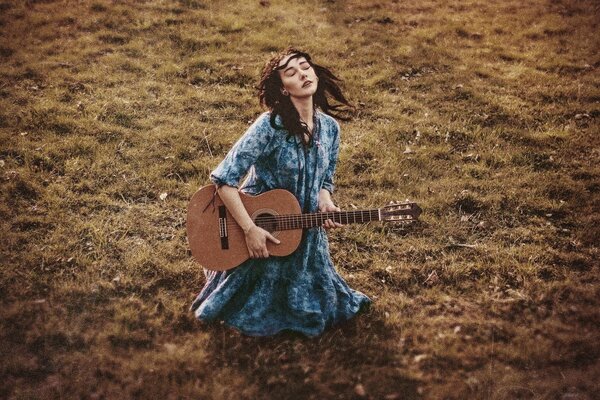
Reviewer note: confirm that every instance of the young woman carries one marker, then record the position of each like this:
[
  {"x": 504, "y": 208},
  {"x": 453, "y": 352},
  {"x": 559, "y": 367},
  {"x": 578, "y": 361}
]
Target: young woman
[{"x": 293, "y": 146}]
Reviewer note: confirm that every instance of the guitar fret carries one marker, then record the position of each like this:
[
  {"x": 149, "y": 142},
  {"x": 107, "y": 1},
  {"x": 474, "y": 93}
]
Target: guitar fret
[{"x": 311, "y": 220}]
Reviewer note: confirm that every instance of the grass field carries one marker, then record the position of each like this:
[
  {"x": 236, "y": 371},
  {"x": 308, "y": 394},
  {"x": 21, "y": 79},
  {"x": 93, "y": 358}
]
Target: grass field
[{"x": 486, "y": 113}]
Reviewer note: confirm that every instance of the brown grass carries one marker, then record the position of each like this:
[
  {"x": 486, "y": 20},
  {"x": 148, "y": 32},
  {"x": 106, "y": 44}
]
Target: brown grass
[{"x": 105, "y": 105}]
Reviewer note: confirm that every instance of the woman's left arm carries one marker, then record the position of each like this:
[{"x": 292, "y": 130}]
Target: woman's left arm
[
  {"x": 325, "y": 202},
  {"x": 326, "y": 205}
]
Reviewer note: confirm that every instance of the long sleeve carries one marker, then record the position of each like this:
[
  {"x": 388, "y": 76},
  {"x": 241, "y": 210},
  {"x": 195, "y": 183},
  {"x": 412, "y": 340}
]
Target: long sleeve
[
  {"x": 253, "y": 144},
  {"x": 333, "y": 156}
]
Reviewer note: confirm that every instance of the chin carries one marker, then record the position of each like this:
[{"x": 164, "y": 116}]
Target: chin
[{"x": 311, "y": 90}]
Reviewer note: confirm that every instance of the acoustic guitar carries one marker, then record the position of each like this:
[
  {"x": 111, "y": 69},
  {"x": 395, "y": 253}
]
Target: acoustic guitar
[{"x": 218, "y": 242}]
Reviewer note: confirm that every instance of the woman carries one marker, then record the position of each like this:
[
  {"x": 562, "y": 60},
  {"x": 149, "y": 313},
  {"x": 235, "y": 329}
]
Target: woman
[{"x": 293, "y": 146}]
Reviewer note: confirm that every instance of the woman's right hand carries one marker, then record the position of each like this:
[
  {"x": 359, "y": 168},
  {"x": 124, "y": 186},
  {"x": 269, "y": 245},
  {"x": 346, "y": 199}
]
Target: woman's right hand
[{"x": 256, "y": 240}]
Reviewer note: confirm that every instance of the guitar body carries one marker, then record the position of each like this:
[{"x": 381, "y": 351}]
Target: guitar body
[{"x": 218, "y": 242}]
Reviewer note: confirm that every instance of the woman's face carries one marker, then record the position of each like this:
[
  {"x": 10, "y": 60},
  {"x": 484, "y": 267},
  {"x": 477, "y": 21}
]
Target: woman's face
[{"x": 297, "y": 76}]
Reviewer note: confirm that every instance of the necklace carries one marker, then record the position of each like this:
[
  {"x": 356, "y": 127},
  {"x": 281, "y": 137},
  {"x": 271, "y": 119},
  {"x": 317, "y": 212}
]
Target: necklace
[{"x": 308, "y": 135}]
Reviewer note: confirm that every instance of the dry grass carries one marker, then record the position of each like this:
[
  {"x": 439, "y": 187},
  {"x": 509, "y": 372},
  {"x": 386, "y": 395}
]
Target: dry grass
[{"x": 106, "y": 105}]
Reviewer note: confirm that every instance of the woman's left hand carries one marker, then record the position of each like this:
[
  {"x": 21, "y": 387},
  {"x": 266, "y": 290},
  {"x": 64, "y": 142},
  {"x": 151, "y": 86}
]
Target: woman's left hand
[{"x": 329, "y": 207}]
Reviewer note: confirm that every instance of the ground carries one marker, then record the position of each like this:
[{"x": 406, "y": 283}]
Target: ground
[{"x": 113, "y": 113}]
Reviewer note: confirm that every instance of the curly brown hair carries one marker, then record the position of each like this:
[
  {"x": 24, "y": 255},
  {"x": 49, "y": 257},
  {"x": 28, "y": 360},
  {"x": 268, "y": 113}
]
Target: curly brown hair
[{"x": 269, "y": 95}]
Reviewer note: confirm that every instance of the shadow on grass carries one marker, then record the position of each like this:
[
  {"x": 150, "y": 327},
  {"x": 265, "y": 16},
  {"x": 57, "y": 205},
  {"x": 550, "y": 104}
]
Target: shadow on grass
[{"x": 355, "y": 355}]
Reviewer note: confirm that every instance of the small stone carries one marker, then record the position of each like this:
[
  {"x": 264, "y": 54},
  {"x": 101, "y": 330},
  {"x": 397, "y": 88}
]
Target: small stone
[
  {"x": 163, "y": 196},
  {"x": 420, "y": 357},
  {"x": 457, "y": 329},
  {"x": 360, "y": 390}
]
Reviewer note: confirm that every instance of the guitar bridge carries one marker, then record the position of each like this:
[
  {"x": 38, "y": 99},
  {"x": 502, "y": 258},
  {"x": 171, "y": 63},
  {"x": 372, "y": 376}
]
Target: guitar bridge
[{"x": 223, "y": 228}]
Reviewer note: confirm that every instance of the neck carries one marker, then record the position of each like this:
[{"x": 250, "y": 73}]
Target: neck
[
  {"x": 312, "y": 220},
  {"x": 304, "y": 105}
]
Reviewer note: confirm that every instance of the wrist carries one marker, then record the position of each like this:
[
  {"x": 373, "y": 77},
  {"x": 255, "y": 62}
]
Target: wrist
[{"x": 247, "y": 228}]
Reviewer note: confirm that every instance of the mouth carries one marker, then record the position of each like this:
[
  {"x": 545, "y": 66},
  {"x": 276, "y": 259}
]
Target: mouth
[{"x": 306, "y": 83}]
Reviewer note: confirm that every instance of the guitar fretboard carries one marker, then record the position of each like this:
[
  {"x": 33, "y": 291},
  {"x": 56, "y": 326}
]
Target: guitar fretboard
[{"x": 311, "y": 220}]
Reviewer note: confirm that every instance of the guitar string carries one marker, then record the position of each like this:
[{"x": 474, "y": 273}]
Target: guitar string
[
  {"x": 265, "y": 226},
  {"x": 296, "y": 223},
  {"x": 331, "y": 214},
  {"x": 293, "y": 220},
  {"x": 290, "y": 218}
]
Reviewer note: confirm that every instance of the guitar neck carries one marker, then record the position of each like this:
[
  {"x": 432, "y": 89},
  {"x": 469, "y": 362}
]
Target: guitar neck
[{"x": 312, "y": 220}]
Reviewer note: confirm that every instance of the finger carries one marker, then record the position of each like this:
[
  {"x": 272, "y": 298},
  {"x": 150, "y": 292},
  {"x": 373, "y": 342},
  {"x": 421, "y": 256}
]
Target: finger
[{"x": 273, "y": 238}]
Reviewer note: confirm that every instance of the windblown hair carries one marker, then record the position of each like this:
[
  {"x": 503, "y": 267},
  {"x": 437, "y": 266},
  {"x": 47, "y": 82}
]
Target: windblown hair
[{"x": 269, "y": 94}]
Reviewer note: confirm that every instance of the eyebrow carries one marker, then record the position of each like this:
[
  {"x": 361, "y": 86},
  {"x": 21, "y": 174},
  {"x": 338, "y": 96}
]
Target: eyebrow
[
  {"x": 288, "y": 68},
  {"x": 297, "y": 55}
]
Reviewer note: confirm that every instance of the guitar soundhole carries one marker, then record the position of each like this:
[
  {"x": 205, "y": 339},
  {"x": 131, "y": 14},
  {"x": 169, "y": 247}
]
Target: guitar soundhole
[{"x": 267, "y": 222}]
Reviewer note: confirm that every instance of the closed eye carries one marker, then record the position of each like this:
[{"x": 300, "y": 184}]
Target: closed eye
[{"x": 303, "y": 65}]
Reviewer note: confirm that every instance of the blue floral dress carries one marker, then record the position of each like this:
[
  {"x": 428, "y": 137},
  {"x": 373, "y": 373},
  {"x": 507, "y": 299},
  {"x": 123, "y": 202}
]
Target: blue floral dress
[{"x": 301, "y": 292}]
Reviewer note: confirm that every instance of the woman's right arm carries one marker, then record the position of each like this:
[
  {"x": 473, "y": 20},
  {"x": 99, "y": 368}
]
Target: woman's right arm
[{"x": 256, "y": 237}]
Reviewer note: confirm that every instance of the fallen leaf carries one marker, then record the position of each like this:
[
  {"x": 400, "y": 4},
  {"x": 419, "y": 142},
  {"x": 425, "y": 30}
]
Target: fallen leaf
[
  {"x": 432, "y": 279},
  {"x": 420, "y": 357},
  {"x": 170, "y": 347}
]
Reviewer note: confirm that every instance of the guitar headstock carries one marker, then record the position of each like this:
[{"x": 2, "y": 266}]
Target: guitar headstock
[{"x": 400, "y": 212}]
